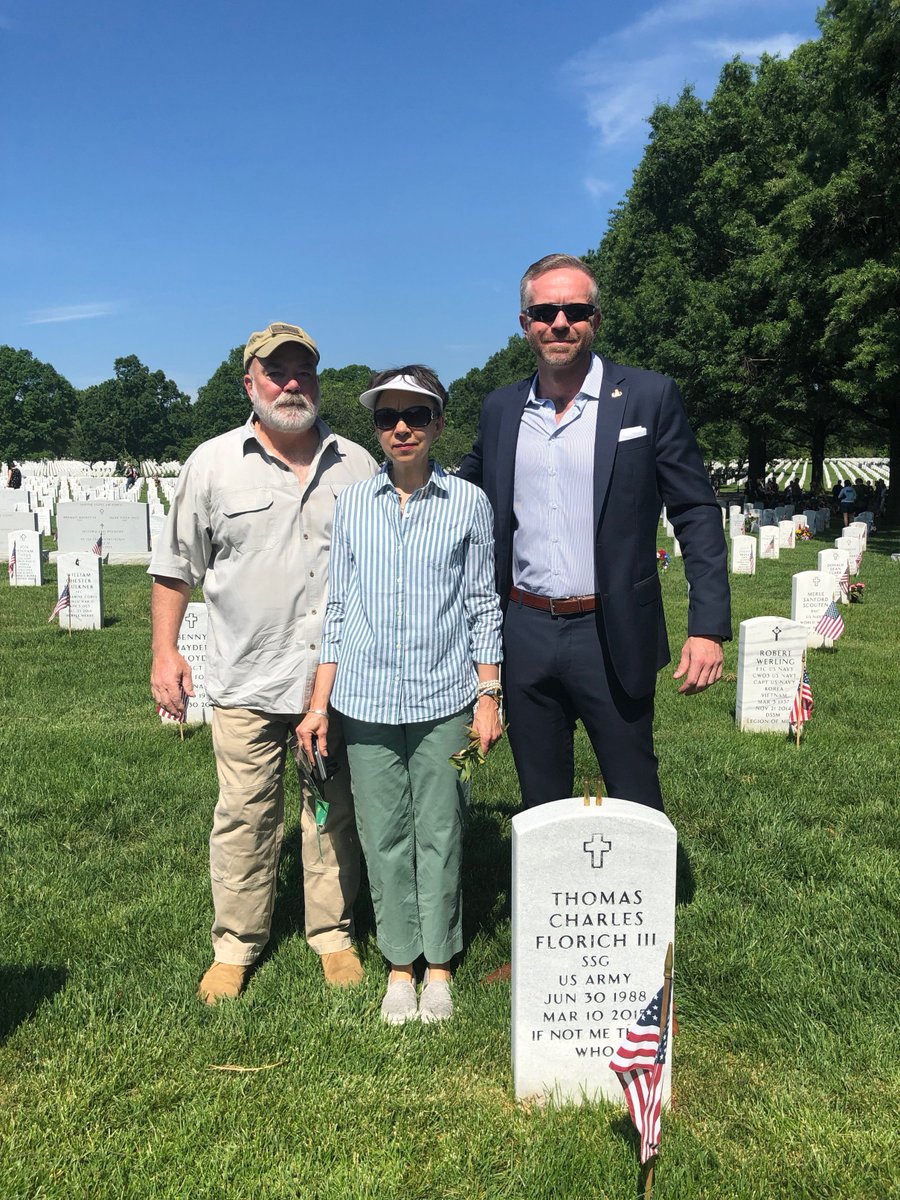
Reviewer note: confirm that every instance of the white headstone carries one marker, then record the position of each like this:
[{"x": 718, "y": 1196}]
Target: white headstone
[
  {"x": 786, "y": 534},
  {"x": 593, "y": 912},
  {"x": 858, "y": 529},
  {"x": 28, "y": 570},
  {"x": 770, "y": 663},
  {"x": 743, "y": 555},
  {"x": 800, "y": 521},
  {"x": 811, "y": 594},
  {"x": 43, "y": 515},
  {"x": 84, "y": 574},
  {"x": 767, "y": 517},
  {"x": 811, "y": 515},
  {"x": 192, "y": 646},
  {"x": 676, "y": 548},
  {"x": 125, "y": 528},
  {"x": 853, "y": 550},
  {"x": 769, "y": 542},
  {"x": 833, "y": 563},
  {"x": 736, "y": 525},
  {"x": 12, "y": 522}
]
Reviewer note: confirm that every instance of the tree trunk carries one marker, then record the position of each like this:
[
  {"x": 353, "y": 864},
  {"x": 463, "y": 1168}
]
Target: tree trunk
[
  {"x": 820, "y": 433},
  {"x": 756, "y": 454},
  {"x": 892, "y": 512}
]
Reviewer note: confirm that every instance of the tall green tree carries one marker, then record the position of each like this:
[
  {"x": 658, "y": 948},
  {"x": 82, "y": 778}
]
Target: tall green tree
[
  {"x": 137, "y": 414},
  {"x": 37, "y": 406},
  {"x": 221, "y": 403}
]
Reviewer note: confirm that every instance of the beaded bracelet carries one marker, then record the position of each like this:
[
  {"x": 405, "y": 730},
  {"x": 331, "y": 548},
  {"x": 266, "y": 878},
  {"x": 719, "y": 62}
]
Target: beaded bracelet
[{"x": 320, "y": 712}]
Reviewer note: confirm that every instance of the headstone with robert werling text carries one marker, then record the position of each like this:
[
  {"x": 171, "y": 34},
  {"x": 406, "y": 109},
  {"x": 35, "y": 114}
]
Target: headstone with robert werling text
[
  {"x": 83, "y": 572},
  {"x": 811, "y": 594},
  {"x": 124, "y": 528},
  {"x": 770, "y": 664},
  {"x": 192, "y": 647},
  {"x": 743, "y": 555},
  {"x": 769, "y": 541},
  {"x": 24, "y": 552},
  {"x": 593, "y": 913},
  {"x": 833, "y": 563},
  {"x": 786, "y": 534}
]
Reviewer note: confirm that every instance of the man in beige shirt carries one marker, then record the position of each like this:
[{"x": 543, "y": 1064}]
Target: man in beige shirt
[{"x": 251, "y": 521}]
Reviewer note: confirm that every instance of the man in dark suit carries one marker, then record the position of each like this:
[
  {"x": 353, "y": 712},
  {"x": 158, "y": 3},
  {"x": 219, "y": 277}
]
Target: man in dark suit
[{"x": 577, "y": 462}]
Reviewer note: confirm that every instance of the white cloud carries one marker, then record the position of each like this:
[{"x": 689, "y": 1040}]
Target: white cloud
[
  {"x": 783, "y": 44},
  {"x": 70, "y": 312}
]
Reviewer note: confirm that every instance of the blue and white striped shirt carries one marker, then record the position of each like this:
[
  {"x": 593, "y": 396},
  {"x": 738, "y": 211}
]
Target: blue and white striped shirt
[
  {"x": 411, "y": 604},
  {"x": 553, "y": 503}
]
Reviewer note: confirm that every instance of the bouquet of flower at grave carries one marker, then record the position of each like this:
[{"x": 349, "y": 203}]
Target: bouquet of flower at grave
[
  {"x": 804, "y": 534},
  {"x": 662, "y": 558},
  {"x": 748, "y": 522},
  {"x": 857, "y": 592}
]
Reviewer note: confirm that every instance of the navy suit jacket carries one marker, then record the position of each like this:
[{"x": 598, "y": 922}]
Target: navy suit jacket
[{"x": 632, "y": 479}]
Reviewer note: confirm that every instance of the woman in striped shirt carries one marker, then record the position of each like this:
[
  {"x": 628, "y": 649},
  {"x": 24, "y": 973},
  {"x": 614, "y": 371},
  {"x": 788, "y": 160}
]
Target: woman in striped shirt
[{"x": 411, "y": 638}]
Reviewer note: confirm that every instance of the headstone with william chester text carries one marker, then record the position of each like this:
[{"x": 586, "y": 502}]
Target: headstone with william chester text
[{"x": 84, "y": 574}]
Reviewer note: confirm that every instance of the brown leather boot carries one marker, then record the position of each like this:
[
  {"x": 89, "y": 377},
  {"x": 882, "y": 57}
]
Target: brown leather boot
[
  {"x": 342, "y": 968},
  {"x": 223, "y": 981}
]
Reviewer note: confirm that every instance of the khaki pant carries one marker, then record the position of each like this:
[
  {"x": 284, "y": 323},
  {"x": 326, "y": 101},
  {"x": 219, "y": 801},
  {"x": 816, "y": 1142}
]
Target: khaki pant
[{"x": 245, "y": 843}]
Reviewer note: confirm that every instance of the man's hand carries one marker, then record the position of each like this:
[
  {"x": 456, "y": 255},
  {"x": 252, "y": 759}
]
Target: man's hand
[
  {"x": 169, "y": 674},
  {"x": 701, "y": 664}
]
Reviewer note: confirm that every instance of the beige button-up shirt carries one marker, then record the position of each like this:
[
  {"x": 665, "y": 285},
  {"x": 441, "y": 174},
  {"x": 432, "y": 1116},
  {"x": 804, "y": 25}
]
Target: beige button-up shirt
[{"x": 241, "y": 523}]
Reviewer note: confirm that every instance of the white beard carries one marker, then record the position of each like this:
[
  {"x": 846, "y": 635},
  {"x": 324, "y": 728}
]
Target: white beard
[{"x": 287, "y": 413}]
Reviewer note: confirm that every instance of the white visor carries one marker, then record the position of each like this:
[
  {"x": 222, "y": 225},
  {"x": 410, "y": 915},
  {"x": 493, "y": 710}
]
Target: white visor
[{"x": 399, "y": 383}]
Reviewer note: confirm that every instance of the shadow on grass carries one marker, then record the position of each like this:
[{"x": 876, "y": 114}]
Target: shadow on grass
[
  {"x": 685, "y": 885},
  {"x": 487, "y": 870},
  {"x": 24, "y": 990},
  {"x": 885, "y": 542}
]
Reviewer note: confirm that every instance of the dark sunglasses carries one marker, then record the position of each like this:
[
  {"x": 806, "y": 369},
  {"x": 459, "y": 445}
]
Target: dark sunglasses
[
  {"x": 417, "y": 416},
  {"x": 547, "y": 313}
]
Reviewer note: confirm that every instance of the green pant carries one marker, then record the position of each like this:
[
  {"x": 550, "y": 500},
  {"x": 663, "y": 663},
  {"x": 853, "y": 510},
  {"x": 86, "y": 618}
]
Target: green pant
[{"x": 410, "y": 813}]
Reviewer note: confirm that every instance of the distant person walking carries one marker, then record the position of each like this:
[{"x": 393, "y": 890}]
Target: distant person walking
[
  {"x": 847, "y": 500},
  {"x": 251, "y": 520},
  {"x": 13, "y": 475}
]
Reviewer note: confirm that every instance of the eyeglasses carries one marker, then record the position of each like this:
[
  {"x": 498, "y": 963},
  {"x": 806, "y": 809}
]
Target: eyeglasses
[
  {"x": 547, "y": 313},
  {"x": 417, "y": 416}
]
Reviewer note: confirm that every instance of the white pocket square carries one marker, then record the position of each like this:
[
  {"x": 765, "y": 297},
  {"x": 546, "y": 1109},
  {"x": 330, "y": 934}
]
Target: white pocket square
[{"x": 633, "y": 431}]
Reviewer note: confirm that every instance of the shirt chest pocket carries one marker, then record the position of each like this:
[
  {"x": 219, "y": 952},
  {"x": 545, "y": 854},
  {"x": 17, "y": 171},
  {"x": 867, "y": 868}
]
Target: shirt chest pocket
[{"x": 248, "y": 519}]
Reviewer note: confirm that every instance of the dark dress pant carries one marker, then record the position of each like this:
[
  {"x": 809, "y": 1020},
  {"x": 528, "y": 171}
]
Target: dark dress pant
[{"x": 556, "y": 671}]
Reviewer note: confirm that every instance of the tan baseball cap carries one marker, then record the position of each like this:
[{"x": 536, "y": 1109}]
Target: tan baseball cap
[{"x": 261, "y": 345}]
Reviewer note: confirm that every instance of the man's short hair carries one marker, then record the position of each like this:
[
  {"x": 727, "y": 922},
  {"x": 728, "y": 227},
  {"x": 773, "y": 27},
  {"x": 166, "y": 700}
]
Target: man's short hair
[{"x": 555, "y": 262}]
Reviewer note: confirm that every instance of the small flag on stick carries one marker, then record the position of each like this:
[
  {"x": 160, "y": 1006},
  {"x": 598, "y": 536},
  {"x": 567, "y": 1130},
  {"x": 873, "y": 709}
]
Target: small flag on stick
[
  {"x": 801, "y": 709},
  {"x": 12, "y": 561},
  {"x": 640, "y": 1061},
  {"x": 844, "y": 582},
  {"x": 174, "y": 718},
  {"x": 64, "y": 601},
  {"x": 97, "y": 547},
  {"x": 831, "y": 623}
]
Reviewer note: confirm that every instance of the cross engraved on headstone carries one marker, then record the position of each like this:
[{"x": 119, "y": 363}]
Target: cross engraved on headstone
[
  {"x": 597, "y": 852},
  {"x": 776, "y": 630},
  {"x": 190, "y": 620}
]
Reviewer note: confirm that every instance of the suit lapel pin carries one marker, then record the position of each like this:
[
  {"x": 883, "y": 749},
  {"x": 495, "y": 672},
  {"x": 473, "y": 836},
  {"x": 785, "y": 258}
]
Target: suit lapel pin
[{"x": 616, "y": 393}]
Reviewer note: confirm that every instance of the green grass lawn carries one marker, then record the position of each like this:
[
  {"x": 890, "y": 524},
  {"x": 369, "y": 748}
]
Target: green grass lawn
[{"x": 786, "y": 1064}]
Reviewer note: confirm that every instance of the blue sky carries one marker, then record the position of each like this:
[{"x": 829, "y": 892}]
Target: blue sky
[{"x": 180, "y": 174}]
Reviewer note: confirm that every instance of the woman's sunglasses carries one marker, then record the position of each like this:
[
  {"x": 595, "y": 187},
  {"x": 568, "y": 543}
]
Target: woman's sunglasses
[{"x": 417, "y": 416}]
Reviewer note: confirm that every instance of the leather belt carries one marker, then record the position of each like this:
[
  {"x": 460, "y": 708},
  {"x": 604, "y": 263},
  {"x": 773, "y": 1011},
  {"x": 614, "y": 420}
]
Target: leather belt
[{"x": 568, "y": 606}]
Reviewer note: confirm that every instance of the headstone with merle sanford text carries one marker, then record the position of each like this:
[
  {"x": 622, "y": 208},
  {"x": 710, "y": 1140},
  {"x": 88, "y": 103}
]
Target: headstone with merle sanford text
[
  {"x": 28, "y": 568},
  {"x": 770, "y": 663},
  {"x": 84, "y": 574},
  {"x": 593, "y": 912},
  {"x": 811, "y": 594}
]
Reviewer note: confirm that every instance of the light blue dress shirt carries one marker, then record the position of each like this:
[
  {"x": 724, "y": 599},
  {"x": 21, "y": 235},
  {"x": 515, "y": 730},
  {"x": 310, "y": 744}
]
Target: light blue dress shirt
[
  {"x": 553, "y": 501},
  {"x": 411, "y": 605}
]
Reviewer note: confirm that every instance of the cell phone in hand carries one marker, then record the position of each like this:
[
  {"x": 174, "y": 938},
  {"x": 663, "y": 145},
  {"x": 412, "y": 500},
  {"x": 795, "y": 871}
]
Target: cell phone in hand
[{"x": 324, "y": 766}]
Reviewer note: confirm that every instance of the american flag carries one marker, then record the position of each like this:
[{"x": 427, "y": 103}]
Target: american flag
[
  {"x": 12, "y": 561},
  {"x": 175, "y": 718},
  {"x": 97, "y": 547},
  {"x": 64, "y": 601},
  {"x": 831, "y": 623},
  {"x": 801, "y": 709},
  {"x": 639, "y": 1062},
  {"x": 844, "y": 582}
]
